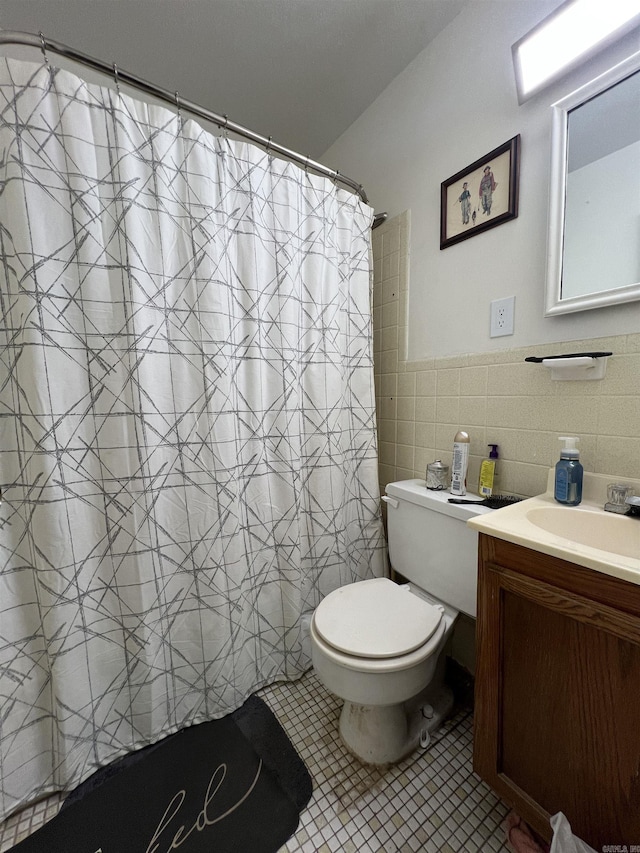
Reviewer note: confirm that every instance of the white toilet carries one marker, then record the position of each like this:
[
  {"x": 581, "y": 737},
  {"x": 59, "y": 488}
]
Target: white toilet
[{"x": 379, "y": 646}]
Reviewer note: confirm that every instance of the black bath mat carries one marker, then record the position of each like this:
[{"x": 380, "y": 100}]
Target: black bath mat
[{"x": 234, "y": 785}]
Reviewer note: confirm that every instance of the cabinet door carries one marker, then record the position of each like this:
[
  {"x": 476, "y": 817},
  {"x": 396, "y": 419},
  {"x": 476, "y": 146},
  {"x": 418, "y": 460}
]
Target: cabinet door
[{"x": 557, "y": 710}]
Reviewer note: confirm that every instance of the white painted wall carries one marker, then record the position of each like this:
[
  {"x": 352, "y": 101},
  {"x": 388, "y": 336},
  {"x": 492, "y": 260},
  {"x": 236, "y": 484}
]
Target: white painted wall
[
  {"x": 453, "y": 104},
  {"x": 603, "y": 209}
]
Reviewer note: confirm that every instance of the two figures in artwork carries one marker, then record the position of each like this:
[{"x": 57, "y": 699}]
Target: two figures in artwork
[{"x": 485, "y": 193}]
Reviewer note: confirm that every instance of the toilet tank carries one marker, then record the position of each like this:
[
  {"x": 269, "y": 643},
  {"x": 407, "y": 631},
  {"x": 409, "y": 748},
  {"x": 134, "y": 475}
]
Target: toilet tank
[{"x": 430, "y": 544}]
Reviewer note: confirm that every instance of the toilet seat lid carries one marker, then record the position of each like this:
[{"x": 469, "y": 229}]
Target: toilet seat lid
[{"x": 375, "y": 619}]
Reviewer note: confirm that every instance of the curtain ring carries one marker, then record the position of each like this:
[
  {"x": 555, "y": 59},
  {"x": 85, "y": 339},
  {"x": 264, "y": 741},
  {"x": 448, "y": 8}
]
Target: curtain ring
[
  {"x": 177, "y": 95},
  {"x": 225, "y": 127},
  {"x": 269, "y": 144},
  {"x": 116, "y": 78},
  {"x": 306, "y": 165},
  {"x": 335, "y": 178},
  {"x": 43, "y": 47}
]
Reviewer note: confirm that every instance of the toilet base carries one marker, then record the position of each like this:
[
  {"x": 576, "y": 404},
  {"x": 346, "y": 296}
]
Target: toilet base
[{"x": 385, "y": 734}]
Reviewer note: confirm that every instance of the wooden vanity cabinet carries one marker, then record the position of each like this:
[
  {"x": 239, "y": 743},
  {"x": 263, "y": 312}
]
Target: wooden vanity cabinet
[{"x": 557, "y": 692}]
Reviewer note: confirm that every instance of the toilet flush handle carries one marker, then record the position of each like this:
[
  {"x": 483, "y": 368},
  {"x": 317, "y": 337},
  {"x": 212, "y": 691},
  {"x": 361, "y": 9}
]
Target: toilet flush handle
[{"x": 394, "y": 503}]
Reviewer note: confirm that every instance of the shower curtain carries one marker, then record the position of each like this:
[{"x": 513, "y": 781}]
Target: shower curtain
[{"x": 187, "y": 439}]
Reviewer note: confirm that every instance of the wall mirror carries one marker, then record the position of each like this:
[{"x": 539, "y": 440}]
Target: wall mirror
[{"x": 594, "y": 219}]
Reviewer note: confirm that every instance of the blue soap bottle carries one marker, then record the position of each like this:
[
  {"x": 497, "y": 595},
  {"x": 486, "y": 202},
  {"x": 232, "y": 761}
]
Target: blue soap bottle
[{"x": 568, "y": 480}]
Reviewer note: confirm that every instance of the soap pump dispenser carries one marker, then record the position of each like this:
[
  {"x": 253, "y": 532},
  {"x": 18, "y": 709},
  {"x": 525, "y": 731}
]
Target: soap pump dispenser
[
  {"x": 487, "y": 481},
  {"x": 568, "y": 479}
]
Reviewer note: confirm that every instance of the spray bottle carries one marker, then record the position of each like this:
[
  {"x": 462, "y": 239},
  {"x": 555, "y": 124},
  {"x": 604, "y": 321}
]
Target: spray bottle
[
  {"x": 460, "y": 463},
  {"x": 568, "y": 480}
]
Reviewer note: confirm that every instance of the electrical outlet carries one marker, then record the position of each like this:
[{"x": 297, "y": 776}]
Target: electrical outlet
[{"x": 502, "y": 311}]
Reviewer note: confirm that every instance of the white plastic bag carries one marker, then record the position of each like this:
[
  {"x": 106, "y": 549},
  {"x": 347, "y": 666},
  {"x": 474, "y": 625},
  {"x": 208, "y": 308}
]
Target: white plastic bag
[{"x": 564, "y": 841}]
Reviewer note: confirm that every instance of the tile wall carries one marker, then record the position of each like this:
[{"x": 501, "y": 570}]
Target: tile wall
[{"x": 495, "y": 396}]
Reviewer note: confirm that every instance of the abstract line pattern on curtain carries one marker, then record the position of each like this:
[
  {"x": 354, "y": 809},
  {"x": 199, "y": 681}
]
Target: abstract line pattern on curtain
[{"x": 187, "y": 430}]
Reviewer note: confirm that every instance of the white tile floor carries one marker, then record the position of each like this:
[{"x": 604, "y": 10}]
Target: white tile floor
[{"x": 431, "y": 802}]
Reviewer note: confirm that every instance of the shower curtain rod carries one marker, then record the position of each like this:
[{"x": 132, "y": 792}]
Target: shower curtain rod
[{"x": 8, "y": 37}]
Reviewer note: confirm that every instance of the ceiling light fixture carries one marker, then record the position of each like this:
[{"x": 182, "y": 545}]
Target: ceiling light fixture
[{"x": 561, "y": 41}]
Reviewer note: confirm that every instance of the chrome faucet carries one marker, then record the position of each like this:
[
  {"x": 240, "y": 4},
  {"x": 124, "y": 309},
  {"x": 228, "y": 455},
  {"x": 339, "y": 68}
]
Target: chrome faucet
[
  {"x": 617, "y": 494},
  {"x": 634, "y": 506}
]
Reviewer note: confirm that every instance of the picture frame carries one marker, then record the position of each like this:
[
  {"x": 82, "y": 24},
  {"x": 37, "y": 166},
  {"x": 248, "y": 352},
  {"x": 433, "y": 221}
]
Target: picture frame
[{"x": 481, "y": 196}]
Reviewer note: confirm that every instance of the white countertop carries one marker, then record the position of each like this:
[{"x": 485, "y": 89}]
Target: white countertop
[{"x": 585, "y": 535}]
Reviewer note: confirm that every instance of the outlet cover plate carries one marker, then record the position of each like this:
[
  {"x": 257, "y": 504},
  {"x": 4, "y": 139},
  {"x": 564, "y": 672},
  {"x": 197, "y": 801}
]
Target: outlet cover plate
[{"x": 502, "y": 312}]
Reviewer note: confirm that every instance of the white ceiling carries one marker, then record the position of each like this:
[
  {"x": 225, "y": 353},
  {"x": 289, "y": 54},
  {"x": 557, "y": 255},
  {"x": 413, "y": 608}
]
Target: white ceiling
[{"x": 300, "y": 71}]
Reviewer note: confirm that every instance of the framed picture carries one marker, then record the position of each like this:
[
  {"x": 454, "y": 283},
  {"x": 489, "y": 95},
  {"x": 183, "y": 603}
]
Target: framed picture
[{"x": 483, "y": 195}]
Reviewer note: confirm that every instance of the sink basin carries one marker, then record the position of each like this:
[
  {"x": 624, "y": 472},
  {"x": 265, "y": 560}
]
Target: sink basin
[
  {"x": 584, "y": 534},
  {"x": 605, "y": 531}
]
